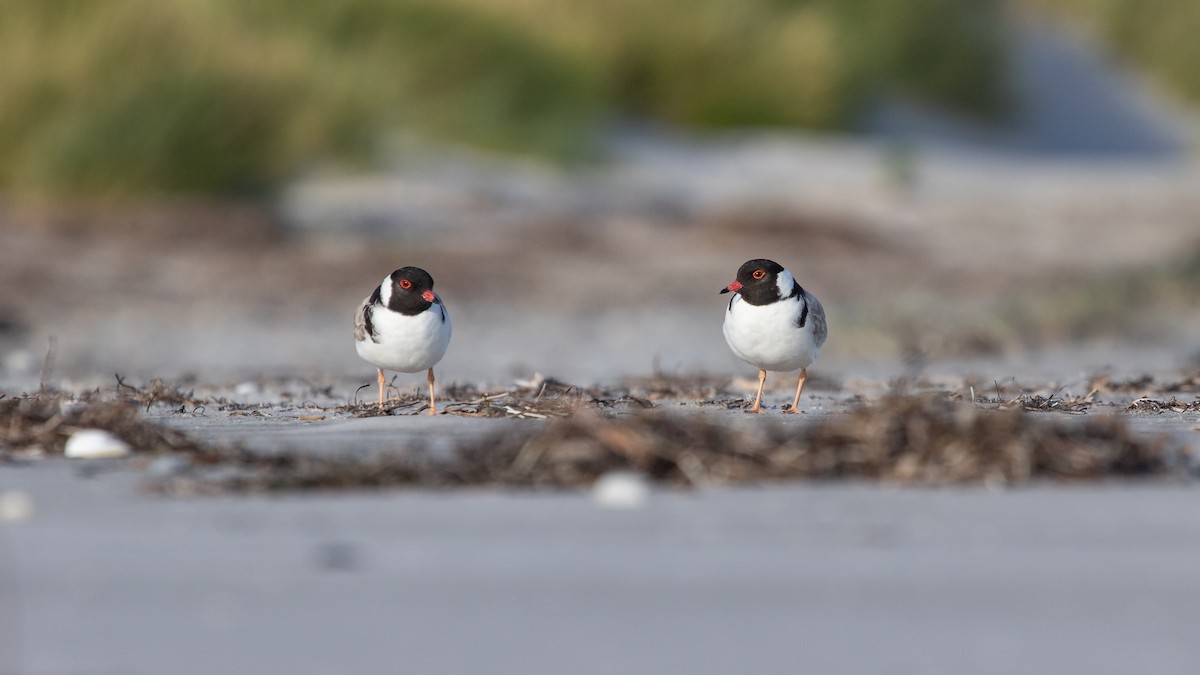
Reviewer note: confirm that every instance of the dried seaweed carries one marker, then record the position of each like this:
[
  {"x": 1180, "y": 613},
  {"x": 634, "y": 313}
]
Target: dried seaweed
[
  {"x": 1104, "y": 382},
  {"x": 919, "y": 440},
  {"x": 40, "y": 425},
  {"x": 1055, "y": 403},
  {"x": 537, "y": 398},
  {"x": 699, "y": 387},
  {"x": 907, "y": 439},
  {"x": 1155, "y": 406},
  {"x": 157, "y": 391},
  {"x": 1188, "y": 382}
]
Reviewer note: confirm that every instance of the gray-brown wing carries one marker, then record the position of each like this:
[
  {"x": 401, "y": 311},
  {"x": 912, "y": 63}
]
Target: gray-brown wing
[
  {"x": 816, "y": 314},
  {"x": 362, "y": 322}
]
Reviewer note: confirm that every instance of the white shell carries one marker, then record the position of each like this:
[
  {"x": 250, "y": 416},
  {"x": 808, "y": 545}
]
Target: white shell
[
  {"x": 95, "y": 444},
  {"x": 621, "y": 490},
  {"x": 15, "y": 506}
]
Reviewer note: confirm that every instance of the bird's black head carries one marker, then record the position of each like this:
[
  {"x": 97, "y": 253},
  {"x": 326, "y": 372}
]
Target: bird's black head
[
  {"x": 411, "y": 291},
  {"x": 761, "y": 282}
]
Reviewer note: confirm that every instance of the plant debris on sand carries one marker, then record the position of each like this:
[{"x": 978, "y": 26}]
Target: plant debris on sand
[
  {"x": 905, "y": 439},
  {"x": 921, "y": 440},
  {"x": 926, "y": 439},
  {"x": 1146, "y": 384},
  {"x": 1150, "y": 405},
  {"x": 40, "y": 425},
  {"x": 1055, "y": 403},
  {"x": 157, "y": 391},
  {"x": 546, "y": 397}
]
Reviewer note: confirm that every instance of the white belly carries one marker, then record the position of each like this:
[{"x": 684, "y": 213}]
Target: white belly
[
  {"x": 767, "y": 336},
  {"x": 407, "y": 344}
]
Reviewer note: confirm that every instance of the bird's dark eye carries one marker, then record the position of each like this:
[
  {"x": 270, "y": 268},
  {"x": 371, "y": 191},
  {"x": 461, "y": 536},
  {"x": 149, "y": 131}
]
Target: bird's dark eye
[
  {"x": 758, "y": 274},
  {"x": 405, "y": 284}
]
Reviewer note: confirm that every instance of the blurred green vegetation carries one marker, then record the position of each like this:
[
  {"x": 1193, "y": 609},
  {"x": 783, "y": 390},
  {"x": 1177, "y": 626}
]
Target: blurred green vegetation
[
  {"x": 1161, "y": 37},
  {"x": 220, "y": 96}
]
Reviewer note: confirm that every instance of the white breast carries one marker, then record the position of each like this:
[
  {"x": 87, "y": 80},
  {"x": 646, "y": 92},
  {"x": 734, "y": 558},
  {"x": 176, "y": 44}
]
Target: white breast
[
  {"x": 767, "y": 336},
  {"x": 407, "y": 344}
]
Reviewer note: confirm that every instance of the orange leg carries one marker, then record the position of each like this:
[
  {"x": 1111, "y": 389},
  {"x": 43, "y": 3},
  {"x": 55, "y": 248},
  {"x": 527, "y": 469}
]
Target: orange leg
[
  {"x": 799, "y": 389},
  {"x": 381, "y": 389},
  {"x": 432, "y": 402},
  {"x": 762, "y": 379}
]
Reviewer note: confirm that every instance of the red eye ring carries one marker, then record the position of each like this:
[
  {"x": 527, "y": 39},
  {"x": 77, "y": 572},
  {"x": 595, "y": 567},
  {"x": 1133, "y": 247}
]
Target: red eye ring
[
  {"x": 405, "y": 284},
  {"x": 758, "y": 274}
]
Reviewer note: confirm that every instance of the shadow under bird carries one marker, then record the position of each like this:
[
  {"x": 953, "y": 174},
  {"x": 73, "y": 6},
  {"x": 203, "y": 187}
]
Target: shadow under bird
[
  {"x": 772, "y": 323},
  {"x": 403, "y": 326}
]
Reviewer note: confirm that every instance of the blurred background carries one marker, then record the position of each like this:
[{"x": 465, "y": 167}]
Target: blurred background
[
  {"x": 210, "y": 188},
  {"x": 204, "y": 190}
]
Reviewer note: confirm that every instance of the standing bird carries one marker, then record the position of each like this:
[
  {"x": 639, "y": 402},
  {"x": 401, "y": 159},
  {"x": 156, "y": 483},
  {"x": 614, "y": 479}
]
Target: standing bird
[
  {"x": 403, "y": 326},
  {"x": 772, "y": 323}
]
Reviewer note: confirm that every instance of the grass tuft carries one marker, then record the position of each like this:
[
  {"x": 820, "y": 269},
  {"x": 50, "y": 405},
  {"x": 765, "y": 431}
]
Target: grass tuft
[{"x": 127, "y": 97}]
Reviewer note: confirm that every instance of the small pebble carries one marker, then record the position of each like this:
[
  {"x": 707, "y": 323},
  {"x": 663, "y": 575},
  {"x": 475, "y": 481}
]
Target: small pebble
[
  {"x": 621, "y": 490},
  {"x": 95, "y": 444},
  {"x": 15, "y": 506}
]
